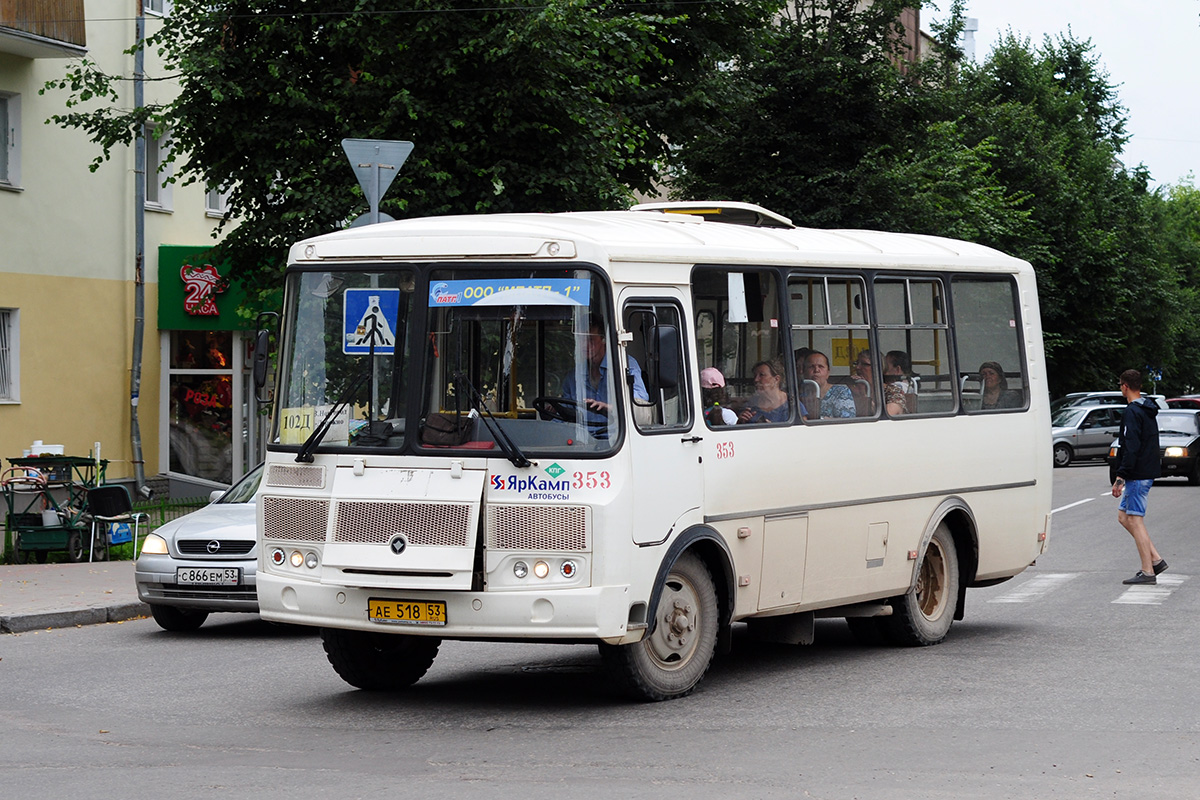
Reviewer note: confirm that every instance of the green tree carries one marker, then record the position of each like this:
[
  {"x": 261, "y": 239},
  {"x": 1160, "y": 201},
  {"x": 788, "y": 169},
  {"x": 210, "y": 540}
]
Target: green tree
[{"x": 556, "y": 105}]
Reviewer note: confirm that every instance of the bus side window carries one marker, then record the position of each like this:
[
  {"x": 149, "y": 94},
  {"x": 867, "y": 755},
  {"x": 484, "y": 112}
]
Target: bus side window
[
  {"x": 914, "y": 343},
  {"x": 987, "y": 337},
  {"x": 830, "y": 334},
  {"x": 654, "y": 357}
]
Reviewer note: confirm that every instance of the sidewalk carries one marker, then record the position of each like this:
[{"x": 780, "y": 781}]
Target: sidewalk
[{"x": 38, "y": 596}]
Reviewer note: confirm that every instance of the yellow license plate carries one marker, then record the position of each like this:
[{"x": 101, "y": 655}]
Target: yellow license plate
[{"x": 406, "y": 612}]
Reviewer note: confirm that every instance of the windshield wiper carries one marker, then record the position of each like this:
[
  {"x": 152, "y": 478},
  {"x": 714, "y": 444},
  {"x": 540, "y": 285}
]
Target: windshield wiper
[
  {"x": 314, "y": 438},
  {"x": 511, "y": 451}
]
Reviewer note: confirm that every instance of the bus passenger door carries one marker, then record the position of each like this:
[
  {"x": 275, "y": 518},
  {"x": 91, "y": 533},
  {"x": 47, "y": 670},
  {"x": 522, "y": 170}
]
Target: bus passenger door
[{"x": 667, "y": 482}]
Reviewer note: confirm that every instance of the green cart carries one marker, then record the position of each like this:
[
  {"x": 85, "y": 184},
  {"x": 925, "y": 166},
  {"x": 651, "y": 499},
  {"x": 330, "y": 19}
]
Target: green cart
[{"x": 46, "y": 503}]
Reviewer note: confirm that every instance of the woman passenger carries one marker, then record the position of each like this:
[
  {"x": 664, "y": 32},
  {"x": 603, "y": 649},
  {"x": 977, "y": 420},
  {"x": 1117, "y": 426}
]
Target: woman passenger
[
  {"x": 996, "y": 393},
  {"x": 836, "y": 400},
  {"x": 770, "y": 401}
]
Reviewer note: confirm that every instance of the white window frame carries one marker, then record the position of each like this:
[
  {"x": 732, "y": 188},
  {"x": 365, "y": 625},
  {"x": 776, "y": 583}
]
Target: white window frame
[
  {"x": 10, "y": 355},
  {"x": 159, "y": 196},
  {"x": 10, "y": 140},
  {"x": 216, "y": 203},
  {"x": 157, "y": 8}
]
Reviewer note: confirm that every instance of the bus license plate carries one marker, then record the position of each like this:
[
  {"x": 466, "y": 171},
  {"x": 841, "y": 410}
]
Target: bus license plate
[
  {"x": 208, "y": 576},
  {"x": 406, "y": 612}
]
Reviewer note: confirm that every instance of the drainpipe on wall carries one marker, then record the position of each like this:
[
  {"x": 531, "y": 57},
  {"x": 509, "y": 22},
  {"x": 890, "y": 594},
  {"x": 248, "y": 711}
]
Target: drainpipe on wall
[{"x": 139, "y": 259}]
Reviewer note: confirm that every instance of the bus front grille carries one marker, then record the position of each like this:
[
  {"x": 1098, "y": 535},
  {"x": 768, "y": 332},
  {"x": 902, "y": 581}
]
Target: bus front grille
[
  {"x": 423, "y": 524},
  {"x": 295, "y": 520},
  {"x": 518, "y": 527}
]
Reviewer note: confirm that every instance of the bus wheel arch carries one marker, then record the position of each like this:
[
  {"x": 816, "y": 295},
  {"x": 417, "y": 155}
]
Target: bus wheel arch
[
  {"x": 687, "y": 619},
  {"x": 945, "y": 565}
]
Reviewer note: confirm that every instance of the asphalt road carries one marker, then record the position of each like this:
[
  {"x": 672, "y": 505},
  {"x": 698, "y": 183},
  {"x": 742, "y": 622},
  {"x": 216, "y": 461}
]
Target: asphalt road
[{"x": 1058, "y": 684}]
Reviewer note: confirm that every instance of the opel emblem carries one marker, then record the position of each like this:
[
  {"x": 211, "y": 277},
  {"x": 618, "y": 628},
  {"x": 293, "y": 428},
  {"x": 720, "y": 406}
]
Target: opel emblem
[
  {"x": 213, "y": 547},
  {"x": 398, "y": 544}
]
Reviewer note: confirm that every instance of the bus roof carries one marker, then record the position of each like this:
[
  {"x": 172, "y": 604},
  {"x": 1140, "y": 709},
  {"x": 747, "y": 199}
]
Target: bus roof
[{"x": 646, "y": 235}]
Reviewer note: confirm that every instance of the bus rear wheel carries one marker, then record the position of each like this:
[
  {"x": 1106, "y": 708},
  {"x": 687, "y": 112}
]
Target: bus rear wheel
[
  {"x": 670, "y": 661},
  {"x": 379, "y": 661},
  {"x": 923, "y": 616}
]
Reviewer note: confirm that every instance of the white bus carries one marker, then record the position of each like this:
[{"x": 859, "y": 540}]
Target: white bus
[{"x": 494, "y": 428}]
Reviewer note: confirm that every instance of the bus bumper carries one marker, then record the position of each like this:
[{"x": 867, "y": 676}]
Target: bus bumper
[{"x": 599, "y": 613}]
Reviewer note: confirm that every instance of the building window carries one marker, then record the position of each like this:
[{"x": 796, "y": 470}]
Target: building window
[
  {"x": 10, "y": 384},
  {"x": 158, "y": 8},
  {"x": 158, "y": 171},
  {"x": 10, "y": 139},
  {"x": 201, "y": 372},
  {"x": 216, "y": 203}
]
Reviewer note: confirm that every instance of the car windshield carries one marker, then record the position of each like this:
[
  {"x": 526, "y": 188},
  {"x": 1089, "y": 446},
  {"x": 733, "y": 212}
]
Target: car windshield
[
  {"x": 1067, "y": 417},
  {"x": 244, "y": 490},
  {"x": 1177, "y": 424}
]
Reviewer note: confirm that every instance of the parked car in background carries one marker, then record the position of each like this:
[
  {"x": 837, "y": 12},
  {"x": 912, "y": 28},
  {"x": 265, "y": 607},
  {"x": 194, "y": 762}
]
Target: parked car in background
[
  {"x": 1186, "y": 401},
  {"x": 203, "y": 562},
  {"x": 1179, "y": 443},
  {"x": 1080, "y": 432},
  {"x": 1098, "y": 398}
]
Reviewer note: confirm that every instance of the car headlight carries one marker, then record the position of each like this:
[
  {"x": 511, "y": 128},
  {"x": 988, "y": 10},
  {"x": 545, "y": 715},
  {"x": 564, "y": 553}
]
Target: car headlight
[
  {"x": 155, "y": 544},
  {"x": 1176, "y": 452}
]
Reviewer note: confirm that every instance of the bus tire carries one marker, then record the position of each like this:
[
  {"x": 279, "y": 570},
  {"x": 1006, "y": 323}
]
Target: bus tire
[
  {"x": 379, "y": 661},
  {"x": 923, "y": 616},
  {"x": 670, "y": 661}
]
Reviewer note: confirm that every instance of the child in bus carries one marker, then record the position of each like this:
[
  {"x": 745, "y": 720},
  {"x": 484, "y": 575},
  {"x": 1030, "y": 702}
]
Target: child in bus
[{"x": 712, "y": 391}]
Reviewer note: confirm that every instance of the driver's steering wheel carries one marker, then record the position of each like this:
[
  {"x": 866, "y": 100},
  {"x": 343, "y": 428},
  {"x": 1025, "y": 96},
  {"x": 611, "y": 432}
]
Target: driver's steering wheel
[{"x": 565, "y": 409}]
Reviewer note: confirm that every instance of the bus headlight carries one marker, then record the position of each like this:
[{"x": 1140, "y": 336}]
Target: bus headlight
[
  {"x": 1176, "y": 452},
  {"x": 297, "y": 558},
  {"x": 278, "y": 557},
  {"x": 541, "y": 569},
  {"x": 568, "y": 569},
  {"x": 520, "y": 569},
  {"x": 310, "y": 561}
]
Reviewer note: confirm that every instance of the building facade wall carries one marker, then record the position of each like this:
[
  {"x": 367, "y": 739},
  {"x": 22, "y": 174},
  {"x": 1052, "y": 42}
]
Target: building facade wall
[{"x": 67, "y": 262}]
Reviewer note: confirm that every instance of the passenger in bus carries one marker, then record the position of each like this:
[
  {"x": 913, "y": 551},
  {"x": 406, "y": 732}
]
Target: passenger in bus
[
  {"x": 769, "y": 402},
  {"x": 596, "y": 399},
  {"x": 836, "y": 400},
  {"x": 893, "y": 395},
  {"x": 897, "y": 371},
  {"x": 716, "y": 401},
  {"x": 996, "y": 393}
]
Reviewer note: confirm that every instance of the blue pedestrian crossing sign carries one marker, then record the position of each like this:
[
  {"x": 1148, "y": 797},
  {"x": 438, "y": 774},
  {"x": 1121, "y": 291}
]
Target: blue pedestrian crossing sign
[{"x": 370, "y": 317}]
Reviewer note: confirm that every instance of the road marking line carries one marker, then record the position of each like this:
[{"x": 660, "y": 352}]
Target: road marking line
[
  {"x": 1152, "y": 594},
  {"x": 1035, "y": 587},
  {"x": 1072, "y": 505}
]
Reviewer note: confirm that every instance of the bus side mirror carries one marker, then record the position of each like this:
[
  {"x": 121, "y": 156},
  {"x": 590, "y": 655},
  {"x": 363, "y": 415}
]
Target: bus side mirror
[
  {"x": 666, "y": 362},
  {"x": 261, "y": 359}
]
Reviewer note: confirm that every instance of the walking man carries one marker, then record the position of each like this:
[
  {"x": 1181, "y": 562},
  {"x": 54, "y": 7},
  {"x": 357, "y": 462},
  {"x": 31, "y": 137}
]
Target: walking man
[{"x": 1139, "y": 465}]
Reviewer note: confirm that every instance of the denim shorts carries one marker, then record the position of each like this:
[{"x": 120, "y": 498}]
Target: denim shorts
[{"x": 1133, "y": 501}]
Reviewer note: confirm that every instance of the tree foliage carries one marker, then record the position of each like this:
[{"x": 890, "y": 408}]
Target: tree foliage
[
  {"x": 512, "y": 106},
  {"x": 1020, "y": 152}
]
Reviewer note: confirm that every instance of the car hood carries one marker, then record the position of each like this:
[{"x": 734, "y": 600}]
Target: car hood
[{"x": 216, "y": 521}]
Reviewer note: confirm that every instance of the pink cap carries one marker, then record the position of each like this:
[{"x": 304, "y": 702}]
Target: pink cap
[{"x": 711, "y": 377}]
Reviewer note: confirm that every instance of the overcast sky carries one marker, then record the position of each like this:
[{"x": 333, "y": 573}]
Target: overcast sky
[{"x": 1151, "y": 50}]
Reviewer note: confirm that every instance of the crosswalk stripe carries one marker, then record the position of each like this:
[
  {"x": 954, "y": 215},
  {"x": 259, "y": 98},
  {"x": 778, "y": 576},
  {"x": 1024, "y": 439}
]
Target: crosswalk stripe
[
  {"x": 1152, "y": 594},
  {"x": 1035, "y": 587}
]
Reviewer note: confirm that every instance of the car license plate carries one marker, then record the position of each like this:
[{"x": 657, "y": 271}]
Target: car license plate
[
  {"x": 208, "y": 576},
  {"x": 406, "y": 612}
]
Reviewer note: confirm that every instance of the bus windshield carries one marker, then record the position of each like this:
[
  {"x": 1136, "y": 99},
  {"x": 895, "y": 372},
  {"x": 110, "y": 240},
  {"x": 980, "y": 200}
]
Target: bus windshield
[{"x": 509, "y": 360}]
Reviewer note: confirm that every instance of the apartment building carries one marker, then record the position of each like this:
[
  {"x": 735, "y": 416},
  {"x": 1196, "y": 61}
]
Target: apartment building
[{"x": 68, "y": 272}]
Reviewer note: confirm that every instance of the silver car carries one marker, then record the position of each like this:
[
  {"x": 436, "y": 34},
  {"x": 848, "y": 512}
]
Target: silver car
[
  {"x": 203, "y": 561},
  {"x": 1084, "y": 431}
]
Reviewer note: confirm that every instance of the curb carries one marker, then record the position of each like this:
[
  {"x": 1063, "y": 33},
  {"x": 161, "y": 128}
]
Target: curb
[{"x": 93, "y": 615}]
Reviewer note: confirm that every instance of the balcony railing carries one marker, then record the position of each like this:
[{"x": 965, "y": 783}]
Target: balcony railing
[{"x": 42, "y": 28}]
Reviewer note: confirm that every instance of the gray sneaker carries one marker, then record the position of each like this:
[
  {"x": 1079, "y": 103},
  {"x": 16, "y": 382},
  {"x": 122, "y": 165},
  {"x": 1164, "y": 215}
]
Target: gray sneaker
[
  {"x": 1140, "y": 577},
  {"x": 1161, "y": 566}
]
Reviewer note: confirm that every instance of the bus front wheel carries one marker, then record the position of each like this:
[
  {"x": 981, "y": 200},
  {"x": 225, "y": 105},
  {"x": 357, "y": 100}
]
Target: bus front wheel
[
  {"x": 672, "y": 659},
  {"x": 379, "y": 661},
  {"x": 923, "y": 616}
]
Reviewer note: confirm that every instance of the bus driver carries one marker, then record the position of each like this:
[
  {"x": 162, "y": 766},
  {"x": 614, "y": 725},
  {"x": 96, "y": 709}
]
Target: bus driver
[{"x": 597, "y": 400}]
